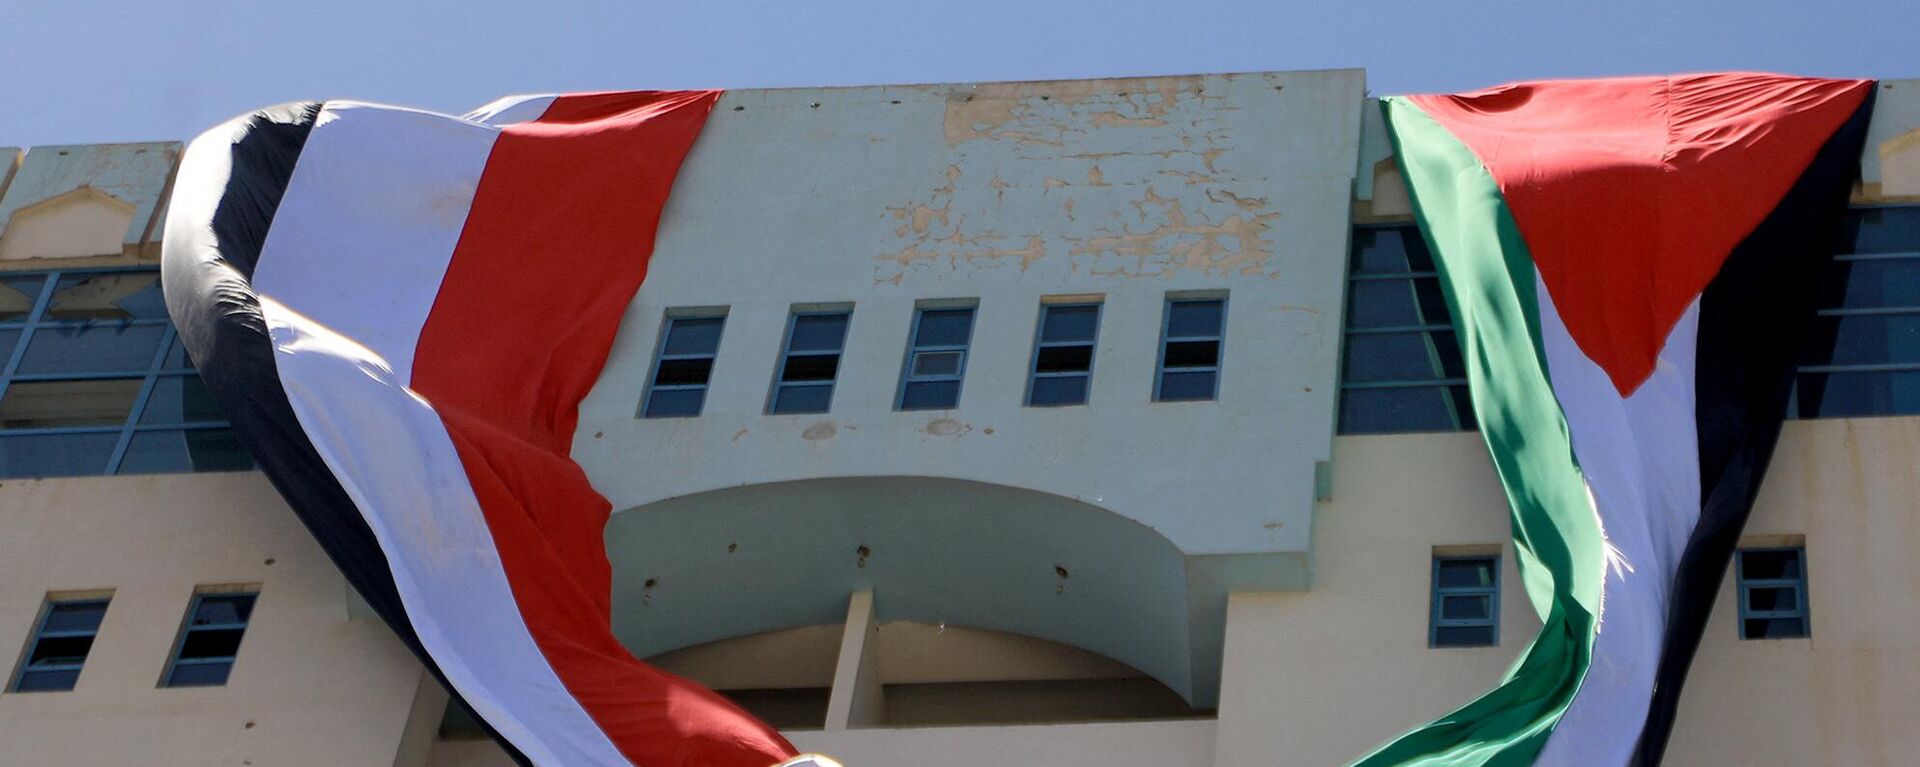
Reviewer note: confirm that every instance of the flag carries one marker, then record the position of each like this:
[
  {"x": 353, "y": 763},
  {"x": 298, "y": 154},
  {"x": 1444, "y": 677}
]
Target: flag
[
  {"x": 1630, "y": 263},
  {"x": 401, "y": 311}
]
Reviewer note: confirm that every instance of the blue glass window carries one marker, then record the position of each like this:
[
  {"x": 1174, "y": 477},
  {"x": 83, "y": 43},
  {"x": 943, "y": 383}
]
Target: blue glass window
[
  {"x": 1191, "y": 336},
  {"x": 93, "y": 381},
  {"x": 681, "y": 370},
  {"x": 1401, "y": 368},
  {"x": 60, "y": 645},
  {"x": 210, "y": 640},
  {"x": 809, "y": 362},
  {"x": 1063, "y": 355},
  {"x": 936, "y": 359},
  {"x": 1862, "y": 355},
  {"x": 1773, "y": 593},
  {"x": 1466, "y": 602}
]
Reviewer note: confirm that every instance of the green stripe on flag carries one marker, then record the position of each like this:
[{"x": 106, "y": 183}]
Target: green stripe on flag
[{"x": 1488, "y": 277}]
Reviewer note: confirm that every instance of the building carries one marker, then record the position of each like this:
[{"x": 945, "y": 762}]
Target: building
[{"x": 1084, "y": 422}]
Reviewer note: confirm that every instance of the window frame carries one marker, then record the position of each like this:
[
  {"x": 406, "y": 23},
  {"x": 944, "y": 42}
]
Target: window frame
[
  {"x": 24, "y": 665},
  {"x": 1092, "y": 343},
  {"x": 1437, "y": 594},
  {"x": 786, "y": 350},
  {"x": 1826, "y": 371},
  {"x": 660, "y": 355},
  {"x": 187, "y": 628},
  {"x": 1744, "y": 585},
  {"x": 1219, "y": 337},
  {"x": 148, "y": 375},
  {"x": 958, "y": 377},
  {"x": 1444, "y": 386}
]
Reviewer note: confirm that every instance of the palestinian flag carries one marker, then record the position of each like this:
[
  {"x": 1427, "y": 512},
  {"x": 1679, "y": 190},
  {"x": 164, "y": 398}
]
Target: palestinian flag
[
  {"x": 1630, "y": 264},
  {"x": 401, "y": 311}
]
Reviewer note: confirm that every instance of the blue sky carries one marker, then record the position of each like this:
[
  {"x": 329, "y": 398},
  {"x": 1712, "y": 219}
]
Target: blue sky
[{"x": 82, "y": 71}]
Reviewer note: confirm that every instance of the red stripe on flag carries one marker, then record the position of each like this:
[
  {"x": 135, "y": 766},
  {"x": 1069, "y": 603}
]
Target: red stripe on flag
[
  {"x": 1631, "y": 192},
  {"x": 555, "y": 246}
]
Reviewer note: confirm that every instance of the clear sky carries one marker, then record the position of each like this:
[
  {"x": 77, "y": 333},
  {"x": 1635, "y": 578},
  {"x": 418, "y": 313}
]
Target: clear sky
[{"x": 83, "y": 71}]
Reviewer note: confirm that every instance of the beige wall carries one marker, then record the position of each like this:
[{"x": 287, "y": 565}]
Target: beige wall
[
  {"x": 1849, "y": 694},
  {"x": 1320, "y": 677},
  {"x": 1313, "y": 678},
  {"x": 309, "y": 687}
]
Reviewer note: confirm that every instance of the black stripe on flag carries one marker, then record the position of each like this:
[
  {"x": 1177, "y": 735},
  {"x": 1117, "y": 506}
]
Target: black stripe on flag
[
  {"x": 218, "y": 316},
  {"x": 1752, "y": 318}
]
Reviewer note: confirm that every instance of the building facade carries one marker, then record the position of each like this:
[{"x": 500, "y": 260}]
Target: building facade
[{"x": 1082, "y": 422}]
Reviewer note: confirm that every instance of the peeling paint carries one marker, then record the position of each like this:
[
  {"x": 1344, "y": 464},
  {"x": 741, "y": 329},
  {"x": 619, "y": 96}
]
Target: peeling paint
[
  {"x": 1117, "y": 120},
  {"x": 1035, "y": 112},
  {"x": 1208, "y": 157},
  {"x": 1161, "y": 191},
  {"x": 1243, "y": 203},
  {"x": 1233, "y": 246},
  {"x": 915, "y": 219},
  {"x": 1191, "y": 178}
]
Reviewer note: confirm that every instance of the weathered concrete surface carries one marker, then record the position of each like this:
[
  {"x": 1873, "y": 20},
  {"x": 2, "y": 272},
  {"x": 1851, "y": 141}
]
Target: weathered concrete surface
[
  {"x": 99, "y": 200},
  {"x": 1126, "y": 191},
  {"x": 1890, "y": 167}
]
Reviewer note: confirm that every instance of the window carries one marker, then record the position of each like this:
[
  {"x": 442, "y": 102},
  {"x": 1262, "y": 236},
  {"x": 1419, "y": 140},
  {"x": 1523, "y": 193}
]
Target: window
[
  {"x": 93, "y": 381},
  {"x": 1862, "y": 356},
  {"x": 1190, "y": 350},
  {"x": 684, "y": 364},
  {"x": 1773, "y": 593},
  {"x": 1402, "y": 366},
  {"x": 1466, "y": 602},
  {"x": 1063, "y": 354},
  {"x": 936, "y": 359},
  {"x": 809, "y": 362},
  {"x": 210, "y": 640},
  {"x": 1401, "y": 369},
  {"x": 60, "y": 644}
]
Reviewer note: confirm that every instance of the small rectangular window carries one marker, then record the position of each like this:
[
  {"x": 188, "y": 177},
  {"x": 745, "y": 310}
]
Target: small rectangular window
[
  {"x": 1063, "y": 354},
  {"x": 809, "y": 362},
  {"x": 60, "y": 644},
  {"x": 1190, "y": 339},
  {"x": 936, "y": 359},
  {"x": 210, "y": 640},
  {"x": 1466, "y": 602},
  {"x": 1773, "y": 593},
  {"x": 683, "y": 366}
]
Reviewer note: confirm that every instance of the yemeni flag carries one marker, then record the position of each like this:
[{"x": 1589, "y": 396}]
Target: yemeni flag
[
  {"x": 401, "y": 311},
  {"x": 1630, "y": 264}
]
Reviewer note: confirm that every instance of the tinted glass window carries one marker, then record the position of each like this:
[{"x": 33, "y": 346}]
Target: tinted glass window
[
  {"x": 210, "y": 641},
  {"x": 1401, "y": 365},
  {"x": 809, "y": 363},
  {"x": 1190, "y": 349},
  {"x": 101, "y": 384},
  {"x": 937, "y": 359},
  {"x": 60, "y": 645},
  {"x": 1773, "y": 593},
  {"x": 1862, "y": 354},
  {"x": 1063, "y": 355},
  {"x": 684, "y": 366},
  {"x": 1465, "y": 610}
]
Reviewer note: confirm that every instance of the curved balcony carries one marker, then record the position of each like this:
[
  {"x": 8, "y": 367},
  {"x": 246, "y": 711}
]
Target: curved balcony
[{"x": 728, "y": 563}]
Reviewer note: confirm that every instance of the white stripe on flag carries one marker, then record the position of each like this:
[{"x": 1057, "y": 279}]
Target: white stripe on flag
[
  {"x": 508, "y": 110},
  {"x": 1641, "y": 459},
  {"x": 350, "y": 270}
]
